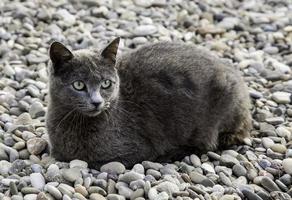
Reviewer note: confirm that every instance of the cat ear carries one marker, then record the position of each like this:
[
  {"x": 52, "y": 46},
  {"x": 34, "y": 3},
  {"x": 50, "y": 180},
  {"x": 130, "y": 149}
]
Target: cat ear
[
  {"x": 110, "y": 51},
  {"x": 59, "y": 53}
]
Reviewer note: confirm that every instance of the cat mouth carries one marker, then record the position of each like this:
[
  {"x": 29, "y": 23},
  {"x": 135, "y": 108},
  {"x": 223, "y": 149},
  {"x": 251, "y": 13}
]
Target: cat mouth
[{"x": 93, "y": 113}]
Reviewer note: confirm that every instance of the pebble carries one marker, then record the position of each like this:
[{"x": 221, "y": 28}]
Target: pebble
[
  {"x": 4, "y": 167},
  {"x": 78, "y": 163},
  {"x": 36, "y": 145},
  {"x": 96, "y": 196},
  {"x": 72, "y": 174},
  {"x": 144, "y": 30},
  {"x": 269, "y": 184},
  {"x": 130, "y": 176},
  {"x": 115, "y": 197},
  {"x": 152, "y": 165},
  {"x": 37, "y": 180},
  {"x": 279, "y": 148},
  {"x": 30, "y": 197},
  {"x": 36, "y": 110},
  {"x": 54, "y": 191},
  {"x": 239, "y": 170},
  {"x": 113, "y": 167},
  {"x": 167, "y": 187},
  {"x": 281, "y": 97},
  {"x": 228, "y": 160},
  {"x": 287, "y": 165}
]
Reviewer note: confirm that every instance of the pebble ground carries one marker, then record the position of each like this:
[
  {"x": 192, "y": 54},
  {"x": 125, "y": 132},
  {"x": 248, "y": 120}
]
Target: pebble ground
[{"x": 255, "y": 35}]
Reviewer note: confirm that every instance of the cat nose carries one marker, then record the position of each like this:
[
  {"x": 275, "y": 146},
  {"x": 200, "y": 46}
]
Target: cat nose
[{"x": 96, "y": 104}]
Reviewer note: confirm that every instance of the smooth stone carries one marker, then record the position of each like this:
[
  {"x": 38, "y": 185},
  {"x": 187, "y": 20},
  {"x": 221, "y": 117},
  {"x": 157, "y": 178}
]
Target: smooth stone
[
  {"x": 251, "y": 195},
  {"x": 208, "y": 168},
  {"x": 42, "y": 196},
  {"x": 36, "y": 168},
  {"x": 72, "y": 174},
  {"x": 67, "y": 197},
  {"x": 269, "y": 184},
  {"x": 267, "y": 142},
  {"x": 195, "y": 160},
  {"x": 13, "y": 188},
  {"x": 30, "y": 197},
  {"x": 275, "y": 120},
  {"x": 16, "y": 197},
  {"x": 287, "y": 165},
  {"x": 37, "y": 110},
  {"x": 81, "y": 189},
  {"x": 37, "y": 180},
  {"x": 128, "y": 177},
  {"x": 113, "y": 167},
  {"x": 78, "y": 163},
  {"x": 167, "y": 187},
  {"x": 29, "y": 190},
  {"x": 239, "y": 170},
  {"x": 137, "y": 193},
  {"x": 228, "y": 160},
  {"x": 66, "y": 16},
  {"x": 144, "y": 30},
  {"x": 125, "y": 191},
  {"x": 283, "y": 132},
  {"x": 138, "y": 168},
  {"x": 197, "y": 177},
  {"x": 4, "y": 167},
  {"x": 36, "y": 145},
  {"x": 96, "y": 189},
  {"x": 152, "y": 165},
  {"x": 115, "y": 197},
  {"x": 96, "y": 196},
  {"x": 54, "y": 191},
  {"x": 279, "y": 148},
  {"x": 281, "y": 97}
]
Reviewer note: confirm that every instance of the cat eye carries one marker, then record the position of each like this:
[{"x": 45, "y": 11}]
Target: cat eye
[
  {"x": 105, "y": 84},
  {"x": 78, "y": 85}
]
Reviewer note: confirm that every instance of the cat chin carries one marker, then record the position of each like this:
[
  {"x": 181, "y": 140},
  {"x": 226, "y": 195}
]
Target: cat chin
[{"x": 93, "y": 113}]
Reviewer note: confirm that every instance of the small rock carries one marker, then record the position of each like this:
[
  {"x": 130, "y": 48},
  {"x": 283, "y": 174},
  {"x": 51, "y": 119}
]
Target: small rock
[
  {"x": 96, "y": 196},
  {"x": 4, "y": 167},
  {"x": 54, "y": 191},
  {"x": 167, "y": 187},
  {"x": 269, "y": 184},
  {"x": 267, "y": 142},
  {"x": 72, "y": 174},
  {"x": 78, "y": 163},
  {"x": 279, "y": 148},
  {"x": 113, "y": 167},
  {"x": 131, "y": 176},
  {"x": 36, "y": 145},
  {"x": 239, "y": 170},
  {"x": 152, "y": 165},
  {"x": 281, "y": 97},
  {"x": 287, "y": 165},
  {"x": 37, "y": 110},
  {"x": 228, "y": 160},
  {"x": 37, "y": 180},
  {"x": 144, "y": 30},
  {"x": 115, "y": 197}
]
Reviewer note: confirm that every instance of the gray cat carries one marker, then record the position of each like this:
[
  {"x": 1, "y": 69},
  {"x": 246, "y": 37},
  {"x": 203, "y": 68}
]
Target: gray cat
[{"x": 160, "y": 102}]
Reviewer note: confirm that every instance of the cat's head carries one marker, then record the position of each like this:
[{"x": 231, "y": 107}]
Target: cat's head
[{"x": 84, "y": 80}]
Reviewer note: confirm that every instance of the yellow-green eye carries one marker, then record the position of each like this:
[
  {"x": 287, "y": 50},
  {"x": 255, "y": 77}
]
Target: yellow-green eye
[
  {"x": 78, "y": 85},
  {"x": 105, "y": 84}
]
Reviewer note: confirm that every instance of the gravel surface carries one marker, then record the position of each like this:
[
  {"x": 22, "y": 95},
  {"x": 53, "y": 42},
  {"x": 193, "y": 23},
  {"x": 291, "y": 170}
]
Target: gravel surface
[{"x": 255, "y": 35}]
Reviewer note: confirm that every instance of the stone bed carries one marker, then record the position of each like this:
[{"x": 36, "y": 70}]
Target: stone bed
[{"x": 255, "y": 35}]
